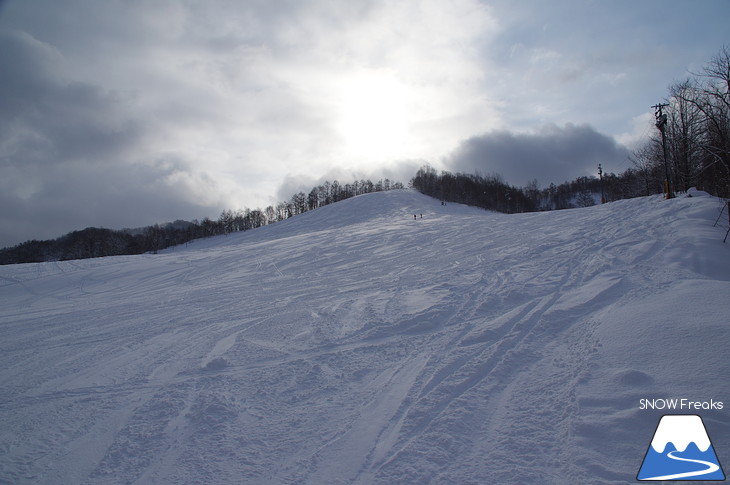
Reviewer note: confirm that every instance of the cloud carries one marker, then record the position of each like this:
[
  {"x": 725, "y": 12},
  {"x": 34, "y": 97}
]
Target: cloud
[
  {"x": 112, "y": 196},
  {"x": 402, "y": 171},
  {"x": 550, "y": 154},
  {"x": 73, "y": 154},
  {"x": 214, "y": 105},
  {"x": 237, "y": 96},
  {"x": 48, "y": 119}
]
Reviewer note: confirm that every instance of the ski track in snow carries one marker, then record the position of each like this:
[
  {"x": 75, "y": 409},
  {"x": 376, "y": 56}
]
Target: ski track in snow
[{"x": 354, "y": 345}]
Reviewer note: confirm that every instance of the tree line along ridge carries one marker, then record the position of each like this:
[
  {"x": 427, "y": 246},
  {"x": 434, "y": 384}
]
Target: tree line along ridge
[{"x": 94, "y": 242}]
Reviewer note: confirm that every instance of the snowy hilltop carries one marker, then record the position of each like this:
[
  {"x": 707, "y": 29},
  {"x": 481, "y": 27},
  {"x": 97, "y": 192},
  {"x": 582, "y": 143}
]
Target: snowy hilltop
[
  {"x": 384, "y": 339},
  {"x": 680, "y": 430}
]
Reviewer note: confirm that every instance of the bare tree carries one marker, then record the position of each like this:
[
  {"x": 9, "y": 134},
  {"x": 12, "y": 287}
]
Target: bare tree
[
  {"x": 685, "y": 133},
  {"x": 710, "y": 96}
]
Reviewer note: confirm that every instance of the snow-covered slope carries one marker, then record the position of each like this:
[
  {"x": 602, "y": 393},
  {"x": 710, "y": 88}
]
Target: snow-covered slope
[{"x": 354, "y": 344}]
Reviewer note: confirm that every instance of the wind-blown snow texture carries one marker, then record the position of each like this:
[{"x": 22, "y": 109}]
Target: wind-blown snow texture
[{"x": 354, "y": 344}]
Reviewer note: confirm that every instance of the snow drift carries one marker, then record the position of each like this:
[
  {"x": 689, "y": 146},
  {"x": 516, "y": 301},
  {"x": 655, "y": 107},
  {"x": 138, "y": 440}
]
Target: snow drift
[{"x": 354, "y": 344}]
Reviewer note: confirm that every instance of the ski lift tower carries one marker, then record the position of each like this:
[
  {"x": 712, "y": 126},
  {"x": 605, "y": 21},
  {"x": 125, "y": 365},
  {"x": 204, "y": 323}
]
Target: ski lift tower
[
  {"x": 600, "y": 178},
  {"x": 661, "y": 123}
]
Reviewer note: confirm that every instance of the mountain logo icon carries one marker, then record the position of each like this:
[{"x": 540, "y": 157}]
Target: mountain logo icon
[{"x": 680, "y": 450}]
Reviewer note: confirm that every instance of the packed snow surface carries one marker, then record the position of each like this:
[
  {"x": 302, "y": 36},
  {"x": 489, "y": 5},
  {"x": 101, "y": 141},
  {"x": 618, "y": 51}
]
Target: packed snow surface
[{"x": 355, "y": 344}]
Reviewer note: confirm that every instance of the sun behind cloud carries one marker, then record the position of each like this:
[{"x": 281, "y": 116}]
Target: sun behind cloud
[{"x": 372, "y": 117}]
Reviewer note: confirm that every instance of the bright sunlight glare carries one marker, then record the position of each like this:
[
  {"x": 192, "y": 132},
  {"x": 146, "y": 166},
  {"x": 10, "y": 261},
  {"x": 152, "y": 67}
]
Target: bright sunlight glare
[{"x": 373, "y": 121}]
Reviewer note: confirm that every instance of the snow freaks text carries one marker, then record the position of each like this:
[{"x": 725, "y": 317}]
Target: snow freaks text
[{"x": 679, "y": 404}]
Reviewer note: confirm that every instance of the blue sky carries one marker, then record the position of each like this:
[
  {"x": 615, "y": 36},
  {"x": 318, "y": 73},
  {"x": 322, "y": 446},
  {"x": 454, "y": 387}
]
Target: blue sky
[{"x": 127, "y": 113}]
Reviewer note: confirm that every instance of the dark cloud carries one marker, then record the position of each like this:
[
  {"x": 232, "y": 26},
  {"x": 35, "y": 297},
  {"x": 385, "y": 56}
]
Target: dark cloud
[
  {"x": 69, "y": 154},
  {"x": 552, "y": 154},
  {"x": 32, "y": 62},
  {"x": 112, "y": 196},
  {"x": 47, "y": 119}
]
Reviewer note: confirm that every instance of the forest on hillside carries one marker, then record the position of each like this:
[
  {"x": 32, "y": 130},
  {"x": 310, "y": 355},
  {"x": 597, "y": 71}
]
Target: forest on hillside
[
  {"x": 94, "y": 242},
  {"x": 492, "y": 193},
  {"x": 694, "y": 120}
]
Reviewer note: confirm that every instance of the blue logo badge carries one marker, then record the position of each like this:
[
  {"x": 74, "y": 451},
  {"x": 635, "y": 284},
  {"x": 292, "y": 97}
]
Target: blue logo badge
[{"x": 680, "y": 450}]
